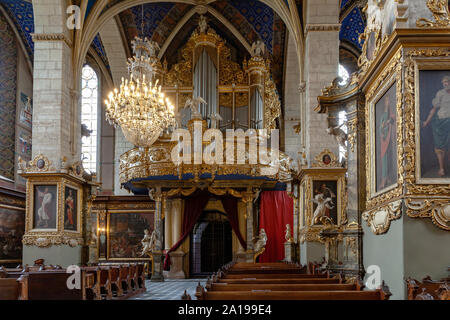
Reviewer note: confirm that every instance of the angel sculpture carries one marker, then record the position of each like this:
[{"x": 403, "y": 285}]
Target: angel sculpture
[
  {"x": 215, "y": 118},
  {"x": 261, "y": 242},
  {"x": 193, "y": 104},
  {"x": 257, "y": 48},
  {"x": 339, "y": 134},
  {"x": 148, "y": 242},
  {"x": 22, "y": 163},
  {"x": 287, "y": 235}
]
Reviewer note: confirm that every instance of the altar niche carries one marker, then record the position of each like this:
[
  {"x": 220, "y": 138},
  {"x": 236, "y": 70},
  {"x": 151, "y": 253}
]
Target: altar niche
[{"x": 211, "y": 243}]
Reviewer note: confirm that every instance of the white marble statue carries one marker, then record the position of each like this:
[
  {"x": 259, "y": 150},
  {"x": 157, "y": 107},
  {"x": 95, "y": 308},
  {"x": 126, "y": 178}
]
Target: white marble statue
[
  {"x": 202, "y": 24},
  {"x": 339, "y": 134},
  {"x": 261, "y": 242},
  {"x": 148, "y": 242},
  {"x": 193, "y": 105},
  {"x": 215, "y": 118},
  {"x": 257, "y": 48},
  {"x": 287, "y": 235}
]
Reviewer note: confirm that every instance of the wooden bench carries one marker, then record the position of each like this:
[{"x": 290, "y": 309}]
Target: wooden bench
[
  {"x": 273, "y": 276},
  {"x": 285, "y": 280},
  {"x": 280, "y": 287},
  {"x": 428, "y": 289},
  {"x": 9, "y": 289},
  {"x": 116, "y": 283},
  {"x": 141, "y": 275},
  {"x": 380, "y": 294}
]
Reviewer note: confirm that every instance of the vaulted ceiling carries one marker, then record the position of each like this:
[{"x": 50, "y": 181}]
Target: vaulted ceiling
[{"x": 253, "y": 19}]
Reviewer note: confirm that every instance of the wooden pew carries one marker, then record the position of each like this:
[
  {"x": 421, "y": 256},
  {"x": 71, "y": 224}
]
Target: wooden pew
[
  {"x": 124, "y": 278},
  {"x": 380, "y": 294},
  {"x": 9, "y": 289},
  {"x": 141, "y": 275},
  {"x": 116, "y": 283},
  {"x": 91, "y": 285},
  {"x": 49, "y": 285},
  {"x": 285, "y": 280},
  {"x": 280, "y": 287},
  {"x": 105, "y": 283},
  {"x": 132, "y": 273},
  {"x": 273, "y": 276},
  {"x": 428, "y": 289}
]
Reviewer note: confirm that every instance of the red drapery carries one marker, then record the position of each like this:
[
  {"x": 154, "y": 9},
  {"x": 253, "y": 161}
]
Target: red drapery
[
  {"x": 231, "y": 208},
  {"x": 276, "y": 210},
  {"x": 193, "y": 210}
]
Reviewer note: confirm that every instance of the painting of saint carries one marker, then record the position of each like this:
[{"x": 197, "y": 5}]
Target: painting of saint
[
  {"x": 45, "y": 207},
  {"x": 126, "y": 232},
  {"x": 386, "y": 140},
  {"x": 324, "y": 202},
  {"x": 70, "y": 209},
  {"x": 12, "y": 228},
  {"x": 26, "y": 110},
  {"x": 434, "y": 109}
]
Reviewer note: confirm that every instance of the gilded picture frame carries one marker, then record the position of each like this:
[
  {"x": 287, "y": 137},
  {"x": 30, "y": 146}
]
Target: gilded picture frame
[
  {"x": 35, "y": 190},
  {"x": 390, "y": 76},
  {"x": 109, "y": 255},
  {"x": 441, "y": 69},
  {"x": 78, "y": 201}
]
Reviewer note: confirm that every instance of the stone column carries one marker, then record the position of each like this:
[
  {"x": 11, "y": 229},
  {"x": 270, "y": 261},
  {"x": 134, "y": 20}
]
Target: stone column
[
  {"x": 321, "y": 67},
  {"x": 176, "y": 221},
  {"x": 157, "y": 274},
  {"x": 168, "y": 225},
  {"x": 248, "y": 200},
  {"x": 176, "y": 257}
]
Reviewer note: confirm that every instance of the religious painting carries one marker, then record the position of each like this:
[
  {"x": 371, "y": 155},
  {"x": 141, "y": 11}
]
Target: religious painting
[
  {"x": 386, "y": 140},
  {"x": 24, "y": 143},
  {"x": 326, "y": 159},
  {"x": 325, "y": 202},
  {"x": 126, "y": 230},
  {"x": 26, "y": 111},
  {"x": 433, "y": 138},
  {"x": 12, "y": 228},
  {"x": 70, "y": 209},
  {"x": 45, "y": 207}
]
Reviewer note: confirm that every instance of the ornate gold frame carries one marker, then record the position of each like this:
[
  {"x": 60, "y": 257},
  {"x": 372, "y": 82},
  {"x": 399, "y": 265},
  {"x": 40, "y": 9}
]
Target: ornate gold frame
[
  {"x": 66, "y": 183},
  {"x": 441, "y": 14},
  {"x": 425, "y": 198},
  {"x": 392, "y": 74},
  {"x": 58, "y": 236},
  {"x": 108, "y": 230},
  {"x": 311, "y": 232}
]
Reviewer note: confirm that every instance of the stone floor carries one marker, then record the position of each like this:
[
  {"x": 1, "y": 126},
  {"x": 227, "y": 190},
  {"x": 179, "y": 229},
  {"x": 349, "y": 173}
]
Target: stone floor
[{"x": 169, "y": 289}]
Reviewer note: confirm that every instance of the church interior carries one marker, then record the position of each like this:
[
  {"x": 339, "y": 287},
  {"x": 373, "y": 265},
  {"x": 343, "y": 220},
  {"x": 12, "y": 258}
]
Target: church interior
[{"x": 271, "y": 150}]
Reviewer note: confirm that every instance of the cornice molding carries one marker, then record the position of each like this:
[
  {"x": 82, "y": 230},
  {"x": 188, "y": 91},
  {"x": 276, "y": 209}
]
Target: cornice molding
[
  {"x": 322, "y": 27},
  {"x": 51, "y": 37}
]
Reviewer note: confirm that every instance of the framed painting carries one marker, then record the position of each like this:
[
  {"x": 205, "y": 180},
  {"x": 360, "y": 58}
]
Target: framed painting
[
  {"x": 12, "y": 228},
  {"x": 385, "y": 134},
  {"x": 324, "y": 202},
  {"x": 26, "y": 111},
  {"x": 71, "y": 208},
  {"x": 433, "y": 126},
  {"x": 125, "y": 232},
  {"x": 45, "y": 201}
]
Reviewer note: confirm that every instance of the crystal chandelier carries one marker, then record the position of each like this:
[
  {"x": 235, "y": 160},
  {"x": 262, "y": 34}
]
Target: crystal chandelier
[{"x": 139, "y": 107}]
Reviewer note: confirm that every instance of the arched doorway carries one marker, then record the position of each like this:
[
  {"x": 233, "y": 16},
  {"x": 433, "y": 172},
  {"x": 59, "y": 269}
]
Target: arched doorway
[{"x": 211, "y": 244}]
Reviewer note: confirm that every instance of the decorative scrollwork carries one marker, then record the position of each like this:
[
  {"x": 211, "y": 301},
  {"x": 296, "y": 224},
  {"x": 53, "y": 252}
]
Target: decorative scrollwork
[
  {"x": 379, "y": 219},
  {"x": 440, "y": 11},
  {"x": 436, "y": 209}
]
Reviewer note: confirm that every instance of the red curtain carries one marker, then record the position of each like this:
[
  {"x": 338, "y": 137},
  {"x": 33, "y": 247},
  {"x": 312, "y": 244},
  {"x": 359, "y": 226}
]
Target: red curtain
[
  {"x": 192, "y": 211},
  {"x": 276, "y": 210},
  {"x": 231, "y": 208}
]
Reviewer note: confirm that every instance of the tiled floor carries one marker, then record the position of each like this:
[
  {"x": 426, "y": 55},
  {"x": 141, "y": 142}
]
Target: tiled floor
[{"x": 169, "y": 289}]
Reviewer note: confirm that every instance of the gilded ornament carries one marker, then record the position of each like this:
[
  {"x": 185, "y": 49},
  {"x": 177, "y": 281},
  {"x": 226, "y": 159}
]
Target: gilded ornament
[{"x": 440, "y": 11}]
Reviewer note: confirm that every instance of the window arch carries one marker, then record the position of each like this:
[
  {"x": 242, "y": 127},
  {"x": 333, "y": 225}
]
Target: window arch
[{"x": 89, "y": 118}]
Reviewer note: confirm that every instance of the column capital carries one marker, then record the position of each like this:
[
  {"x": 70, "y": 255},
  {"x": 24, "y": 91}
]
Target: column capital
[
  {"x": 51, "y": 37},
  {"x": 322, "y": 27}
]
